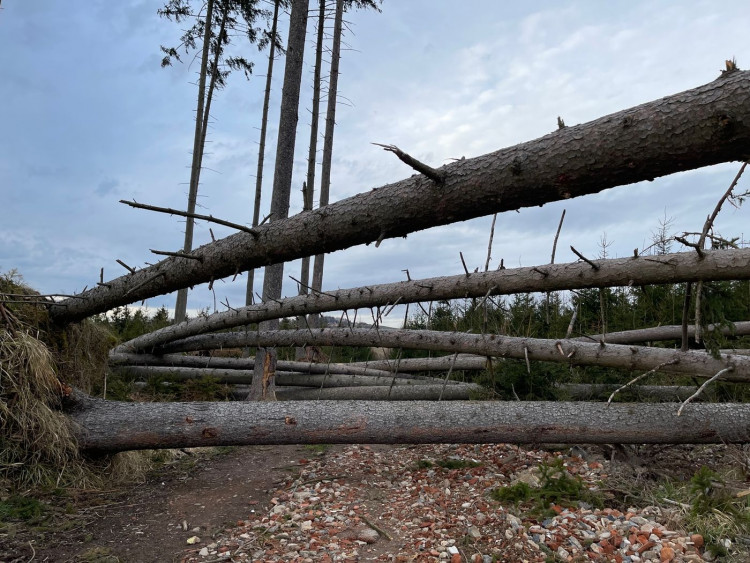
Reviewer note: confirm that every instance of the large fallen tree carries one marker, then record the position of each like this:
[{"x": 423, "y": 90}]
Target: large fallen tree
[
  {"x": 693, "y": 362},
  {"x": 108, "y": 426},
  {"x": 644, "y": 270},
  {"x": 699, "y": 127}
]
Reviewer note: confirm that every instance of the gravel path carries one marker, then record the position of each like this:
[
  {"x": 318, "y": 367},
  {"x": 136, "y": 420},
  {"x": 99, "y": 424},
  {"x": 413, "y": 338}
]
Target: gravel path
[{"x": 434, "y": 503}]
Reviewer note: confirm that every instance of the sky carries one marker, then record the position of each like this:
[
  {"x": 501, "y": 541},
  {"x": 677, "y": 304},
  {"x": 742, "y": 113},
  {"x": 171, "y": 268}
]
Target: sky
[{"x": 88, "y": 117}]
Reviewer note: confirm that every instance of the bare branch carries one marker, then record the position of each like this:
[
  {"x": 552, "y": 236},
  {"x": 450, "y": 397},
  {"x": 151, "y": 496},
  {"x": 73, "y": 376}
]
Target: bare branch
[{"x": 437, "y": 176}]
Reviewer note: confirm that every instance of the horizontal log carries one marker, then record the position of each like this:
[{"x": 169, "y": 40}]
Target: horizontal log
[
  {"x": 699, "y": 127},
  {"x": 631, "y": 357},
  {"x": 667, "y": 332},
  {"x": 382, "y": 393},
  {"x": 465, "y": 362},
  {"x": 176, "y": 360},
  {"x": 644, "y": 270},
  {"x": 109, "y": 426},
  {"x": 241, "y": 376}
]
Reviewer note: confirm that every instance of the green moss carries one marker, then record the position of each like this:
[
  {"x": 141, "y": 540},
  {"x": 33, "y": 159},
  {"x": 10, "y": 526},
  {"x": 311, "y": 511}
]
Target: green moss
[
  {"x": 557, "y": 486},
  {"x": 17, "y": 507},
  {"x": 453, "y": 463}
]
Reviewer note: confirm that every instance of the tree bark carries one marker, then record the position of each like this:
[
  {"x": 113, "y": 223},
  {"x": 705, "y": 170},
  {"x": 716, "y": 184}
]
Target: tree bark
[
  {"x": 325, "y": 175},
  {"x": 195, "y": 168},
  {"x": 668, "y": 268},
  {"x": 700, "y": 127},
  {"x": 262, "y": 388},
  {"x": 249, "y": 298},
  {"x": 108, "y": 426},
  {"x": 696, "y": 363}
]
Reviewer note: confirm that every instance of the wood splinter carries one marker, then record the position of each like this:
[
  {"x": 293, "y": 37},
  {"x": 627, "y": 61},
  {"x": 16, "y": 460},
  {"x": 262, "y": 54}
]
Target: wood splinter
[
  {"x": 582, "y": 257},
  {"x": 124, "y": 265},
  {"x": 433, "y": 174}
]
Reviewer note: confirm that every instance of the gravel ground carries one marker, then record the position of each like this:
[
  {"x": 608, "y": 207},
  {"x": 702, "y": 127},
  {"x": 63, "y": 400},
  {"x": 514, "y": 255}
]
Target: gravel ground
[{"x": 434, "y": 503}]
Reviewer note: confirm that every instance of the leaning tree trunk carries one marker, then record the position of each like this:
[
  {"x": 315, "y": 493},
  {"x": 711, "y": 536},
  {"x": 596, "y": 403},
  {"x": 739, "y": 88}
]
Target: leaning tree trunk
[
  {"x": 700, "y": 127},
  {"x": 325, "y": 175},
  {"x": 668, "y": 268},
  {"x": 262, "y": 387},
  {"x": 571, "y": 352},
  {"x": 249, "y": 299},
  {"x": 109, "y": 426},
  {"x": 195, "y": 169}
]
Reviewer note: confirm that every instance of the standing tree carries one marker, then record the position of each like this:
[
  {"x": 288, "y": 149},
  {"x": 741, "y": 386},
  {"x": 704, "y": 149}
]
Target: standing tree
[
  {"x": 309, "y": 185},
  {"x": 262, "y": 387},
  {"x": 262, "y": 148},
  {"x": 325, "y": 176},
  {"x": 233, "y": 15}
]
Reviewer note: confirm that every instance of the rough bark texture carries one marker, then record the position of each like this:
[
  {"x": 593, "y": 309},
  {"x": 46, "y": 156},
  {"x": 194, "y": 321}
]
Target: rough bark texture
[
  {"x": 669, "y": 268},
  {"x": 699, "y": 127},
  {"x": 115, "y": 426},
  {"x": 249, "y": 297},
  {"x": 692, "y": 362}
]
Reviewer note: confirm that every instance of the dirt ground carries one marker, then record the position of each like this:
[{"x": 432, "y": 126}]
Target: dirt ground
[
  {"x": 198, "y": 495},
  {"x": 205, "y": 494}
]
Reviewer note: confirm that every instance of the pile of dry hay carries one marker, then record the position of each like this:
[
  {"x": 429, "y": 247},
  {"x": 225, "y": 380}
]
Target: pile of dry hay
[{"x": 37, "y": 445}]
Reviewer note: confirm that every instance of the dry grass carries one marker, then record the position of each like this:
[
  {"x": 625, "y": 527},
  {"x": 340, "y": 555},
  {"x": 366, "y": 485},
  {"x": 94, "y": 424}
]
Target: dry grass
[
  {"x": 37, "y": 446},
  {"x": 37, "y": 442}
]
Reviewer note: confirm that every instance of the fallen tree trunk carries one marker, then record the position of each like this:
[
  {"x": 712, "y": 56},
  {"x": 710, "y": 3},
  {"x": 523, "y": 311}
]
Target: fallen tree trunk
[
  {"x": 175, "y": 360},
  {"x": 692, "y": 362},
  {"x": 465, "y": 362},
  {"x": 699, "y": 127},
  {"x": 660, "y": 333},
  {"x": 669, "y": 268},
  {"x": 109, "y": 426},
  {"x": 290, "y": 378},
  {"x": 382, "y": 393}
]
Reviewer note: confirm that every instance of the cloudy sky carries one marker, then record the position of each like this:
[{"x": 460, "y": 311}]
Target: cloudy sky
[{"x": 88, "y": 117}]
